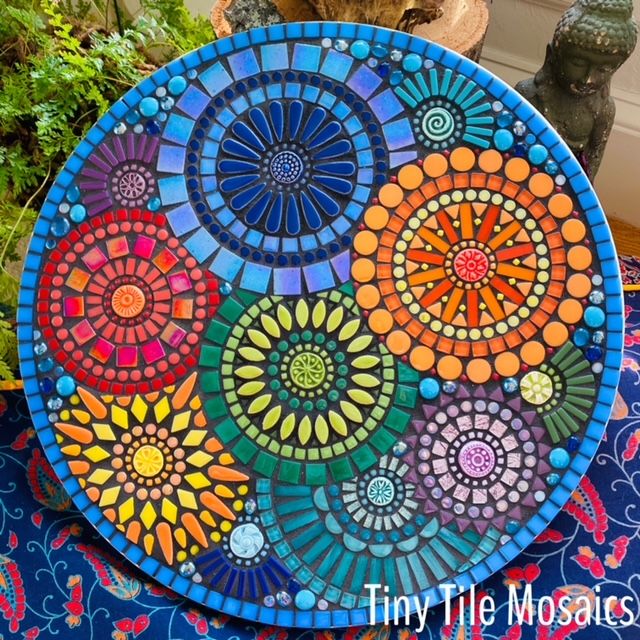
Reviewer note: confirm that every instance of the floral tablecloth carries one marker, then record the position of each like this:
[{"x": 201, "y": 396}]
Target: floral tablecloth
[{"x": 58, "y": 579}]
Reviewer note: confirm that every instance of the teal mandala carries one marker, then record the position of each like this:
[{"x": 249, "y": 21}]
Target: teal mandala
[{"x": 302, "y": 388}]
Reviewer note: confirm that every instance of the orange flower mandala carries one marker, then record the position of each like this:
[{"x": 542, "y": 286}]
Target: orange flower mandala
[{"x": 462, "y": 264}]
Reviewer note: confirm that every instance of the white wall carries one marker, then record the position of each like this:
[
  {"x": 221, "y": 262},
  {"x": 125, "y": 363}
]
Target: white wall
[{"x": 515, "y": 49}]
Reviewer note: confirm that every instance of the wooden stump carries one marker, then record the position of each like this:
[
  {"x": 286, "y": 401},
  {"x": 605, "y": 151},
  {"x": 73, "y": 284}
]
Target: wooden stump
[{"x": 462, "y": 27}]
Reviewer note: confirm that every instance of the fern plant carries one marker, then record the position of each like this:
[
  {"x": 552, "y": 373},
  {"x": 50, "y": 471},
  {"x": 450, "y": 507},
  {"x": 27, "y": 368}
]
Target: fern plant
[{"x": 62, "y": 64}]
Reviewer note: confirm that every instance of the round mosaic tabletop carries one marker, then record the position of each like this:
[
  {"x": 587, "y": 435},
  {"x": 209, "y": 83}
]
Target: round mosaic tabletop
[{"x": 315, "y": 307}]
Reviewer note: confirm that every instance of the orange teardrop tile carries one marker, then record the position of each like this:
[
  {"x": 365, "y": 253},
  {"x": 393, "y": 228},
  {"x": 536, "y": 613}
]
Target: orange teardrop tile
[
  {"x": 165, "y": 538},
  {"x": 218, "y": 472},
  {"x": 211, "y": 501},
  {"x": 182, "y": 395},
  {"x": 192, "y": 525},
  {"x": 92, "y": 403},
  {"x": 79, "y": 467},
  {"x": 133, "y": 531},
  {"x": 79, "y": 434}
]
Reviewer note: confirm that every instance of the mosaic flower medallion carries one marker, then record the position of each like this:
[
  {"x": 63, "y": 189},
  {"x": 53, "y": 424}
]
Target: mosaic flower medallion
[{"x": 319, "y": 306}]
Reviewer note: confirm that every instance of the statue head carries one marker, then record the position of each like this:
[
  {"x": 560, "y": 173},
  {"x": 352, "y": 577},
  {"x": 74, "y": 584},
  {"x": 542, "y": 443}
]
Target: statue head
[{"x": 592, "y": 40}]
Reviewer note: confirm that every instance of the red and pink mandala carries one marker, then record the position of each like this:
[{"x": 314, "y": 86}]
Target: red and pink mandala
[{"x": 122, "y": 303}]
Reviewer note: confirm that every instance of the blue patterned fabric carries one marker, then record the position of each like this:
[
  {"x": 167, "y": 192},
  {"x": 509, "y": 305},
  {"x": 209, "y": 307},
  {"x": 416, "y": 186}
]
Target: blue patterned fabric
[{"x": 58, "y": 579}]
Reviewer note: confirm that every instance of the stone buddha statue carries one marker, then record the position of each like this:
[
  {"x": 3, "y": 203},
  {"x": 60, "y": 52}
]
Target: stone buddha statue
[{"x": 572, "y": 90}]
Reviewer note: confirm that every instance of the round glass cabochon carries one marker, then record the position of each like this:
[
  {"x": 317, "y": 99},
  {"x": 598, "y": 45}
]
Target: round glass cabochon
[{"x": 315, "y": 307}]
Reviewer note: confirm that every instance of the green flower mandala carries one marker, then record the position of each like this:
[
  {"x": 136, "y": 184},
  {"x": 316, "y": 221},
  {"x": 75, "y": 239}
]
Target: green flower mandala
[{"x": 301, "y": 387}]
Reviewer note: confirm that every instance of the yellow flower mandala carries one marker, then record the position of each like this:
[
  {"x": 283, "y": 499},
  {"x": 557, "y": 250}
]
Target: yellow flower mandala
[{"x": 151, "y": 465}]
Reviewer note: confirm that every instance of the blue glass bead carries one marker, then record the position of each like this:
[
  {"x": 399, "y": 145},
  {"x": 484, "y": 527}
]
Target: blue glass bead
[
  {"x": 594, "y": 316},
  {"x": 510, "y": 385},
  {"x": 187, "y": 569},
  {"x": 78, "y": 213},
  {"x": 152, "y": 127},
  {"x": 597, "y": 337},
  {"x": 538, "y": 154},
  {"x": 341, "y": 45},
  {"x": 552, "y": 167},
  {"x": 65, "y": 386},
  {"x": 383, "y": 70},
  {"x": 505, "y": 119},
  {"x": 520, "y": 150},
  {"x": 133, "y": 117},
  {"x": 360, "y": 49},
  {"x": 503, "y": 139},
  {"x": 177, "y": 85},
  {"x": 396, "y": 77},
  {"x": 412, "y": 62},
  {"x": 149, "y": 107},
  {"x": 379, "y": 51},
  {"x": 154, "y": 204},
  {"x": 531, "y": 139},
  {"x": 73, "y": 194},
  {"x": 283, "y": 598},
  {"x": 573, "y": 444},
  {"x": 553, "y": 479},
  {"x": 60, "y": 227},
  {"x": 46, "y": 385},
  {"x": 166, "y": 104},
  {"x": 400, "y": 448},
  {"x": 120, "y": 128},
  {"x": 594, "y": 354},
  {"x": 192, "y": 74},
  {"x": 581, "y": 337},
  {"x": 46, "y": 365},
  {"x": 305, "y": 600},
  {"x": 50, "y": 243},
  {"x": 559, "y": 458},
  {"x": 512, "y": 527},
  {"x": 429, "y": 388},
  {"x": 596, "y": 297},
  {"x": 449, "y": 387}
]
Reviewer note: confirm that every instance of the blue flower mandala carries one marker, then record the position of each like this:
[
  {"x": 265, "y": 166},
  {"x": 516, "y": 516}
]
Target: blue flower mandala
[{"x": 287, "y": 168}]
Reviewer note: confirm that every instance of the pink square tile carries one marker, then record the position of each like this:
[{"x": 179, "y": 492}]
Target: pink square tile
[
  {"x": 94, "y": 259},
  {"x": 144, "y": 246},
  {"x": 152, "y": 351},
  {"x": 179, "y": 282},
  {"x": 73, "y": 307},
  {"x": 127, "y": 356},
  {"x": 82, "y": 332},
  {"x": 102, "y": 350},
  {"x": 118, "y": 247},
  {"x": 173, "y": 335}
]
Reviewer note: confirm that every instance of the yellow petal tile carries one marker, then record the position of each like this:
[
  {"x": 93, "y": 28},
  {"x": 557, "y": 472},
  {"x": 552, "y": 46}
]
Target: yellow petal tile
[
  {"x": 181, "y": 537},
  {"x": 149, "y": 541},
  {"x": 100, "y": 476},
  {"x": 197, "y": 480},
  {"x": 119, "y": 417},
  {"x": 162, "y": 409},
  {"x": 126, "y": 510},
  {"x": 199, "y": 459},
  {"x": 96, "y": 453},
  {"x": 180, "y": 421},
  {"x": 187, "y": 499},
  {"x": 194, "y": 438},
  {"x": 207, "y": 518},
  {"x": 148, "y": 515},
  {"x": 104, "y": 432},
  {"x": 109, "y": 496},
  {"x": 169, "y": 511},
  {"x": 139, "y": 409}
]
